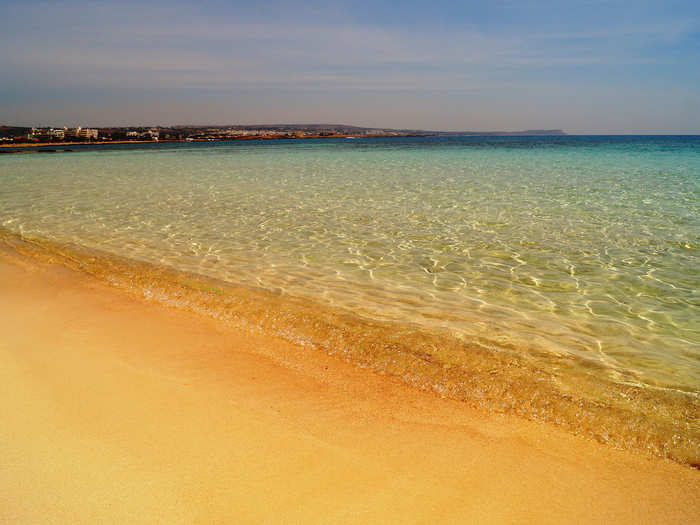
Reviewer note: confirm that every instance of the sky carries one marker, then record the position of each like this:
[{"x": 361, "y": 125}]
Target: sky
[{"x": 582, "y": 66}]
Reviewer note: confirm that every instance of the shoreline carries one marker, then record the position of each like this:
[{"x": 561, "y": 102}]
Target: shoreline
[
  {"x": 121, "y": 410},
  {"x": 27, "y": 145},
  {"x": 660, "y": 423}
]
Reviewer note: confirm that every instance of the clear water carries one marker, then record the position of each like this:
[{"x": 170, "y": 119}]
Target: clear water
[{"x": 582, "y": 247}]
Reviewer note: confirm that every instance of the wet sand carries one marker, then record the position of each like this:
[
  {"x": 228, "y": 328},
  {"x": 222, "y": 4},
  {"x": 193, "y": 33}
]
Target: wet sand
[{"x": 119, "y": 411}]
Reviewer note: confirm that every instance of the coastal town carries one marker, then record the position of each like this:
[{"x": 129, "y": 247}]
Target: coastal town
[
  {"x": 11, "y": 135},
  {"x": 30, "y": 136}
]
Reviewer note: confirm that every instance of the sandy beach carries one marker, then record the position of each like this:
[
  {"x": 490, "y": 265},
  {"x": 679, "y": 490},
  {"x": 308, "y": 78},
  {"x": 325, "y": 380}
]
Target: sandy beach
[
  {"x": 69, "y": 143},
  {"x": 115, "y": 410}
]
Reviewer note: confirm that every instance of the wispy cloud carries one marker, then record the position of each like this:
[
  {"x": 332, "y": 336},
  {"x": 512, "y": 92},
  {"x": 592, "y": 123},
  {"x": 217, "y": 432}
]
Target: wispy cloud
[{"x": 223, "y": 47}]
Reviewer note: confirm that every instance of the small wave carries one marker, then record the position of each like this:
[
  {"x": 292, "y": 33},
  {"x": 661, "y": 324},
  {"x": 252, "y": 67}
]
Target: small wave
[{"x": 559, "y": 389}]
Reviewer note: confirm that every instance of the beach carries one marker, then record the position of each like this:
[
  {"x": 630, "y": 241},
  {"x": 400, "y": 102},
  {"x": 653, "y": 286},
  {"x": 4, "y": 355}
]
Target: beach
[
  {"x": 553, "y": 278},
  {"x": 406, "y": 330},
  {"x": 26, "y": 145},
  {"x": 359, "y": 264},
  {"x": 118, "y": 410}
]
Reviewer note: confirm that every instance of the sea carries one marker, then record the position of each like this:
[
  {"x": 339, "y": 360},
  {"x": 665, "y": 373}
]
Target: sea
[{"x": 553, "y": 277}]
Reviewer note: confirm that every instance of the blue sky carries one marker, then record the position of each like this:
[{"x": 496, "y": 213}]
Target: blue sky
[{"x": 584, "y": 66}]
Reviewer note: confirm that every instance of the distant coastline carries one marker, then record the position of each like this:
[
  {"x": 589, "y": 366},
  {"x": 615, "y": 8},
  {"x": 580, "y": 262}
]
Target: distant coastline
[
  {"x": 46, "y": 145},
  {"x": 22, "y": 137}
]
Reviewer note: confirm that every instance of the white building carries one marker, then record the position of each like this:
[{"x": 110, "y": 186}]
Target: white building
[
  {"x": 59, "y": 134},
  {"x": 86, "y": 133}
]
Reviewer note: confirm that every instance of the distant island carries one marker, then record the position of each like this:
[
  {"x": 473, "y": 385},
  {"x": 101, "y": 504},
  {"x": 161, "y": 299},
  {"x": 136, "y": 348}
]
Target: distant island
[{"x": 29, "y": 136}]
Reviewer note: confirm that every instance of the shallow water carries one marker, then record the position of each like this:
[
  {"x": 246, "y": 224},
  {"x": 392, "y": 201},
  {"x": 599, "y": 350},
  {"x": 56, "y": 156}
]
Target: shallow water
[{"x": 580, "y": 256}]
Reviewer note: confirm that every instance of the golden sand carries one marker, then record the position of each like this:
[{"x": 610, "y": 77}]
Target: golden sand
[{"x": 118, "y": 411}]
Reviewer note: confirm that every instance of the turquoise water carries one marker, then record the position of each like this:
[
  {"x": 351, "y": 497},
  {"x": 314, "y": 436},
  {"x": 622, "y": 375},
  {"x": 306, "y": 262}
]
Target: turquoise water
[{"x": 582, "y": 246}]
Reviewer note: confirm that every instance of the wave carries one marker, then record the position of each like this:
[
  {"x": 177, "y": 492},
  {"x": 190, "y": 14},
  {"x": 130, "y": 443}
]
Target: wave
[{"x": 560, "y": 389}]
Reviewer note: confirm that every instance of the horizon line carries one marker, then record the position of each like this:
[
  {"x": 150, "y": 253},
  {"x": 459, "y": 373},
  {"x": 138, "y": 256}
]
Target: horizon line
[{"x": 320, "y": 124}]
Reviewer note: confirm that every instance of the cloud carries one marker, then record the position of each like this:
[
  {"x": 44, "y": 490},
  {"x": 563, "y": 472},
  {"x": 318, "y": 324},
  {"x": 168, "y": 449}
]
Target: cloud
[{"x": 124, "y": 50}]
